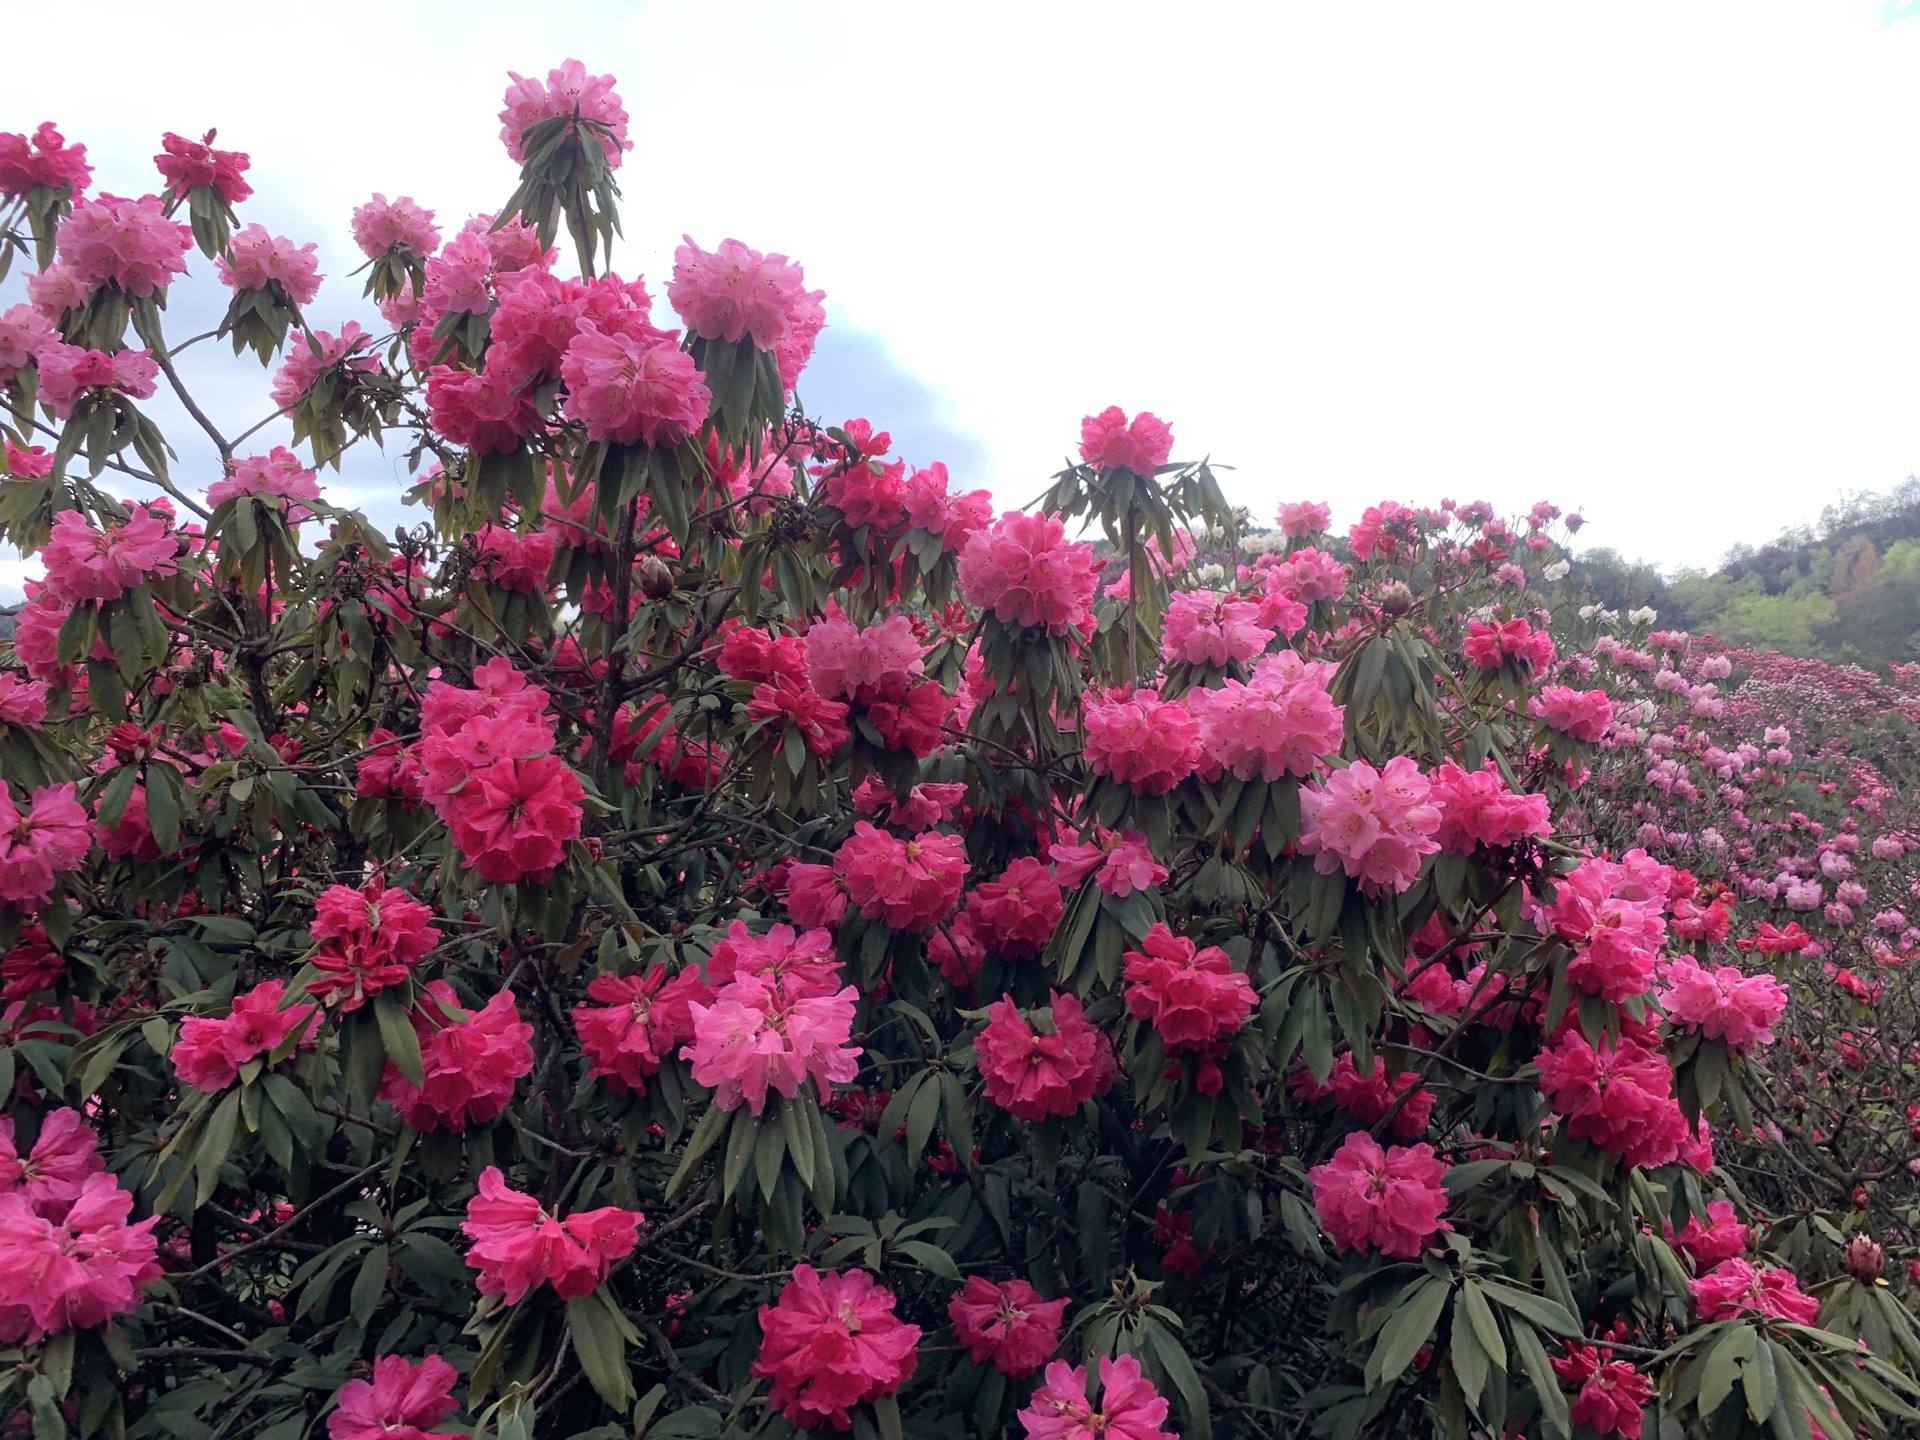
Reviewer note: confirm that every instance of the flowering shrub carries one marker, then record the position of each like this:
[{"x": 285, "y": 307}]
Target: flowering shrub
[{"x": 714, "y": 931}]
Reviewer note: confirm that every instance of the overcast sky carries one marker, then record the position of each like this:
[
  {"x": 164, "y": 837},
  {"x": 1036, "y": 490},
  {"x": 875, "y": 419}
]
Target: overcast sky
[{"x": 1656, "y": 261}]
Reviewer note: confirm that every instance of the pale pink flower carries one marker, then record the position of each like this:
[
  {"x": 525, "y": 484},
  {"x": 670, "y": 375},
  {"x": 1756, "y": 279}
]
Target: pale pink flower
[
  {"x": 86, "y": 564},
  {"x": 569, "y": 90},
  {"x": 736, "y": 291},
  {"x": 278, "y": 474},
  {"x": 633, "y": 391},
  {"x": 130, "y": 244},
  {"x": 755, "y": 1037},
  {"x": 67, "y": 373},
  {"x": 1205, "y": 628},
  {"x": 1377, "y": 825},
  {"x": 381, "y": 225},
  {"x": 1299, "y": 518},
  {"x": 848, "y": 663},
  {"x": 1130, "y": 1408},
  {"x": 1279, "y": 722},
  {"x": 256, "y": 259},
  {"x": 1723, "y": 1003}
]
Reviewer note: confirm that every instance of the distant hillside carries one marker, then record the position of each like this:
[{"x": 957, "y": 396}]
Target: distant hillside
[{"x": 1846, "y": 589}]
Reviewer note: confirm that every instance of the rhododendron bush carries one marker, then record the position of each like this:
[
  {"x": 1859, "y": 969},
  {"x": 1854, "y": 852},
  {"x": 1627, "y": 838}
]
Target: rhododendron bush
[{"x": 720, "y": 930}]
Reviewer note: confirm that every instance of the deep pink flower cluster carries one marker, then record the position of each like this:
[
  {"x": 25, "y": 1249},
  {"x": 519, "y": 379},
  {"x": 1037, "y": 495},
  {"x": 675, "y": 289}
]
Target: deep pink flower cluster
[
  {"x": 129, "y": 244},
  {"x": 1612, "y": 1394},
  {"x": 1279, "y": 722},
  {"x": 1490, "y": 646},
  {"x": 830, "y": 1342},
  {"x": 55, "y": 1170},
  {"x": 638, "y": 1022},
  {"x": 42, "y": 158},
  {"x": 1307, "y": 575},
  {"x": 1377, "y": 825},
  {"x": 382, "y": 225},
  {"x": 569, "y": 90},
  {"x": 22, "y": 702},
  {"x": 517, "y": 1246},
  {"x": 932, "y": 506},
  {"x": 1734, "y": 1286},
  {"x": 1615, "y": 925},
  {"x": 1723, "y": 1002},
  {"x": 256, "y": 259},
  {"x": 1389, "y": 1200},
  {"x": 1120, "y": 863},
  {"x": 767, "y": 1031},
  {"x": 1194, "y": 998},
  {"x": 1023, "y": 569},
  {"x": 405, "y": 1400},
  {"x": 1205, "y": 628},
  {"x": 1585, "y": 715},
  {"x": 822, "y": 723},
  {"x": 909, "y": 884},
  {"x": 368, "y": 941},
  {"x": 735, "y": 292},
  {"x": 1618, "y": 1097},
  {"x": 208, "y": 1053},
  {"x": 68, "y": 1258},
  {"x": 185, "y": 163},
  {"x": 1129, "y": 1409},
  {"x": 1723, "y": 1237},
  {"x": 38, "y": 845},
  {"x": 1006, "y": 1325},
  {"x": 469, "y": 1062},
  {"x": 1039, "y": 1073},
  {"x": 1368, "y": 1098},
  {"x": 1477, "y": 807},
  {"x": 68, "y": 373},
  {"x": 845, "y": 662},
  {"x": 1015, "y": 915},
  {"x": 278, "y": 474},
  {"x": 1109, "y": 441},
  {"x": 1148, "y": 744}
]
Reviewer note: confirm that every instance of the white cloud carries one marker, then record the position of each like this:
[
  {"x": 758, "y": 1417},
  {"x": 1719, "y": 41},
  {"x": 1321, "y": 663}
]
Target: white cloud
[{"x": 1652, "y": 261}]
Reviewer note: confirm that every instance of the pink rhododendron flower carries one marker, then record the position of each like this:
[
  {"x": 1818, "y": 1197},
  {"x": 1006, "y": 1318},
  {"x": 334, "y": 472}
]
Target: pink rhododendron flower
[
  {"x": 513, "y": 819},
  {"x": 932, "y": 507},
  {"x": 735, "y": 291},
  {"x": 1381, "y": 530},
  {"x": 1279, "y": 722},
  {"x": 1388, "y": 1200},
  {"x": 1377, "y": 825},
  {"x": 209, "y": 1053},
  {"x": 929, "y": 803},
  {"x": 1618, "y": 1097},
  {"x": 129, "y": 244},
  {"x": 816, "y": 896},
  {"x": 68, "y": 373},
  {"x": 1723, "y": 1237},
  {"x": 1108, "y": 441},
  {"x": 1204, "y": 628},
  {"x": 74, "y": 1270},
  {"x": 1733, "y": 1286},
  {"x": 1120, "y": 863},
  {"x": 514, "y": 562},
  {"x": 1491, "y": 646},
  {"x": 569, "y": 90},
  {"x": 1367, "y": 1098},
  {"x": 1006, "y": 1325},
  {"x": 256, "y": 259},
  {"x": 639, "y": 1021},
  {"x": 633, "y": 391},
  {"x": 517, "y": 1246},
  {"x": 909, "y": 884},
  {"x": 54, "y": 1171},
  {"x": 185, "y": 163},
  {"x": 470, "y": 1062},
  {"x": 487, "y": 414},
  {"x": 1129, "y": 1409},
  {"x": 1194, "y": 998},
  {"x": 1723, "y": 1003},
  {"x": 51, "y": 837},
  {"x": 406, "y": 1400},
  {"x": 304, "y": 366},
  {"x": 1584, "y": 715},
  {"x": 830, "y": 1342},
  {"x": 1612, "y": 1393},
  {"x": 845, "y": 662},
  {"x": 1023, "y": 569},
  {"x": 1015, "y": 915},
  {"x": 1477, "y": 808},
  {"x": 22, "y": 702},
  {"x": 1148, "y": 744},
  {"x": 914, "y": 721},
  {"x": 29, "y": 464},
  {"x": 276, "y": 474},
  {"x": 795, "y": 963},
  {"x": 822, "y": 723},
  {"x": 757, "y": 1037},
  {"x": 131, "y": 836},
  {"x": 1038, "y": 1073},
  {"x": 1299, "y": 518},
  {"x": 369, "y": 940},
  {"x": 381, "y": 225},
  {"x": 24, "y": 333},
  {"x": 43, "y": 158}
]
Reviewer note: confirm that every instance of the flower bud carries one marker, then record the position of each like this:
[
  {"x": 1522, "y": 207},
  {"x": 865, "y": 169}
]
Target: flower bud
[
  {"x": 1396, "y": 598},
  {"x": 656, "y": 580},
  {"x": 1864, "y": 1259}
]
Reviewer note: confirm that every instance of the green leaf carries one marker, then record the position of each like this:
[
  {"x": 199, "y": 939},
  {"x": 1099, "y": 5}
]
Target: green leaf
[
  {"x": 705, "y": 1136},
  {"x": 1471, "y": 1363},
  {"x": 397, "y": 1036},
  {"x": 1173, "y": 1358},
  {"x": 920, "y": 1117},
  {"x": 368, "y": 1286},
  {"x": 1546, "y": 1385},
  {"x": 216, "y": 1141},
  {"x": 1485, "y": 1328},
  {"x": 1722, "y": 1366},
  {"x": 768, "y": 1151},
  {"x": 930, "y": 1256},
  {"x": 1760, "y": 1382},
  {"x": 163, "y": 805},
  {"x": 600, "y": 1340},
  {"x": 1549, "y": 1314}
]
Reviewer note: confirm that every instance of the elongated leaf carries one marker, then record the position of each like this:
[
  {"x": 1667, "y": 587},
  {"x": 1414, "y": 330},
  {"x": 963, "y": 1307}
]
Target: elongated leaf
[
  {"x": 1402, "y": 1336},
  {"x": 1546, "y": 1385}
]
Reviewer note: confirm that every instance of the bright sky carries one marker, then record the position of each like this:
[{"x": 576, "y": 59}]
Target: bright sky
[{"x": 1653, "y": 261}]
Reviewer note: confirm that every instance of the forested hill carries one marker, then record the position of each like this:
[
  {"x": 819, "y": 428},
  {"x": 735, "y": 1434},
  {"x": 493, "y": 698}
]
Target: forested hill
[{"x": 1845, "y": 589}]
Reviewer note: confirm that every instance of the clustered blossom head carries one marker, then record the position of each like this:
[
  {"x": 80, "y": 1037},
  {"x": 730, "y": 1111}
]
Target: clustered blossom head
[
  {"x": 1279, "y": 722},
  {"x": 735, "y": 292},
  {"x": 1389, "y": 1200},
  {"x": 129, "y": 244},
  {"x": 1129, "y": 1409},
  {"x": 845, "y": 662},
  {"x": 1015, "y": 915},
  {"x": 55, "y": 1169},
  {"x": 1298, "y": 519},
  {"x": 1734, "y": 1286},
  {"x": 1368, "y": 1098},
  {"x": 185, "y": 163},
  {"x": 569, "y": 90},
  {"x": 831, "y": 1342},
  {"x": 51, "y": 836},
  {"x": 1615, "y": 924},
  {"x": 305, "y": 363},
  {"x": 42, "y": 158},
  {"x": 1036, "y": 1073},
  {"x": 638, "y": 1022},
  {"x": 517, "y": 1245},
  {"x": 1617, "y": 1096},
  {"x": 1722, "y": 1237},
  {"x": 1491, "y": 646},
  {"x": 1148, "y": 744},
  {"x": 1204, "y": 628},
  {"x": 405, "y": 1400},
  {"x": 1612, "y": 1394},
  {"x": 910, "y": 884},
  {"x": 278, "y": 475},
  {"x": 1194, "y": 998},
  {"x": 256, "y": 259},
  {"x": 1006, "y": 1325},
  {"x": 1120, "y": 863},
  {"x": 24, "y": 333},
  {"x": 1023, "y": 569},
  {"x": 1377, "y": 825},
  {"x": 631, "y": 389},
  {"x": 767, "y": 1032},
  {"x": 1723, "y": 1002},
  {"x": 1109, "y": 441},
  {"x": 209, "y": 1053},
  {"x": 369, "y": 940},
  {"x": 71, "y": 1262},
  {"x": 69, "y": 373},
  {"x": 469, "y": 1061},
  {"x": 1585, "y": 715},
  {"x": 382, "y": 225},
  {"x": 1478, "y": 808}
]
